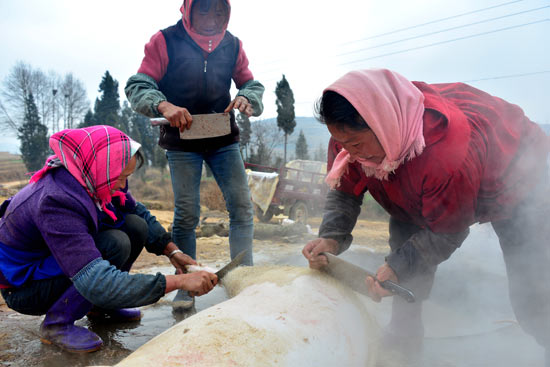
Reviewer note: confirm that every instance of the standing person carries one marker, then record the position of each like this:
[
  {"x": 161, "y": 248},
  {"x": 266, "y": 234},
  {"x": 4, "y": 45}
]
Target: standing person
[
  {"x": 438, "y": 158},
  {"x": 187, "y": 69},
  {"x": 69, "y": 238}
]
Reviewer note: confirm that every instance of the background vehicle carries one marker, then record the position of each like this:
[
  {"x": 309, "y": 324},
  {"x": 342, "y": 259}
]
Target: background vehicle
[{"x": 296, "y": 190}]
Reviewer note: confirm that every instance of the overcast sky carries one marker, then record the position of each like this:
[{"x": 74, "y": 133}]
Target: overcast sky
[{"x": 502, "y": 49}]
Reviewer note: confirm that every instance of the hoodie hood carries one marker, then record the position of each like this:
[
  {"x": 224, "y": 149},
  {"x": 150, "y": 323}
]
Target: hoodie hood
[
  {"x": 393, "y": 108},
  {"x": 206, "y": 43}
]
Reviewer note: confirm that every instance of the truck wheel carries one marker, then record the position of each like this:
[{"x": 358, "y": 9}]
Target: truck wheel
[
  {"x": 299, "y": 212},
  {"x": 263, "y": 217}
]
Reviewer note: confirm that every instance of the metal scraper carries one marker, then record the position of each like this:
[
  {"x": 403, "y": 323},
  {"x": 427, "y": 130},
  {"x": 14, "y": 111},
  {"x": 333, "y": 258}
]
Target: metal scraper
[
  {"x": 354, "y": 277},
  {"x": 208, "y": 125}
]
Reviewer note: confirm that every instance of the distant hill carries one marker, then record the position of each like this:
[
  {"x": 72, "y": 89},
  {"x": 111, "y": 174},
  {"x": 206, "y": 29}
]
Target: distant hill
[
  {"x": 315, "y": 133},
  {"x": 546, "y": 128}
]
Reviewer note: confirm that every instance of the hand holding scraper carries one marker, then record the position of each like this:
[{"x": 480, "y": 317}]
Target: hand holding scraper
[{"x": 354, "y": 277}]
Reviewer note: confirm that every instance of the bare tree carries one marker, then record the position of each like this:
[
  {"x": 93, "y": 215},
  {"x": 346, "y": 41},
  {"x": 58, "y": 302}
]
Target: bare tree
[
  {"x": 74, "y": 102},
  {"x": 265, "y": 138},
  {"x": 56, "y": 98}
]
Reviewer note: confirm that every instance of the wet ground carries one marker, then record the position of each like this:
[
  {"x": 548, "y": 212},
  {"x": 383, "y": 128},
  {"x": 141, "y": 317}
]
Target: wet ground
[{"x": 468, "y": 321}]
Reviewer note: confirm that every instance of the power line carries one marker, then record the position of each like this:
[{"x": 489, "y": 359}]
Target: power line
[
  {"x": 444, "y": 30},
  {"x": 434, "y": 21},
  {"x": 446, "y": 41},
  {"x": 507, "y": 76}
]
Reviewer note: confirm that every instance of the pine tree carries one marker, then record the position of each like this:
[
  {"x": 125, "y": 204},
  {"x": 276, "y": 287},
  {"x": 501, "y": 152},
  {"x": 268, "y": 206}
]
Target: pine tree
[
  {"x": 107, "y": 105},
  {"x": 245, "y": 132},
  {"x": 33, "y": 136},
  {"x": 285, "y": 110},
  {"x": 88, "y": 119},
  {"x": 301, "y": 147},
  {"x": 320, "y": 153}
]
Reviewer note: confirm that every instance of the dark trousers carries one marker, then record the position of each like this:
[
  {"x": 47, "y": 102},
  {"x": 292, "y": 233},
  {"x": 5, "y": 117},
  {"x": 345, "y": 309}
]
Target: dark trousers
[{"x": 120, "y": 247}]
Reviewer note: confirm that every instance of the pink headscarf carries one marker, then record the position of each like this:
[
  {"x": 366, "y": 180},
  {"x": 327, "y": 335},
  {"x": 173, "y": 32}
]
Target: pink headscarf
[
  {"x": 206, "y": 43},
  {"x": 95, "y": 156},
  {"x": 393, "y": 108}
]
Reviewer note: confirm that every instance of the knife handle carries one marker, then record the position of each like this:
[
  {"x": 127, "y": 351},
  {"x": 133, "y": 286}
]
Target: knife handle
[
  {"x": 398, "y": 290},
  {"x": 159, "y": 121}
]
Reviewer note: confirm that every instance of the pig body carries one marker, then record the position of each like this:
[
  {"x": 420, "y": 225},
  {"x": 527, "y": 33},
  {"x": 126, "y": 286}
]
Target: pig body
[{"x": 277, "y": 316}]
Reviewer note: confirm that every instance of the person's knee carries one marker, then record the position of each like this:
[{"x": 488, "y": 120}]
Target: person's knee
[
  {"x": 115, "y": 246},
  {"x": 136, "y": 228},
  {"x": 186, "y": 221}
]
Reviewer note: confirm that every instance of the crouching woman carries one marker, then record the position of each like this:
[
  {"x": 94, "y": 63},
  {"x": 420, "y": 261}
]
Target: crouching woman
[{"x": 69, "y": 238}]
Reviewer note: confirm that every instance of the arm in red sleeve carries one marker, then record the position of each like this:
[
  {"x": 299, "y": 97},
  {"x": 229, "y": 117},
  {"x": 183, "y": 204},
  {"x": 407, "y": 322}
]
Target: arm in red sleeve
[
  {"x": 241, "y": 72},
  {"x": 155, "y": 61}
]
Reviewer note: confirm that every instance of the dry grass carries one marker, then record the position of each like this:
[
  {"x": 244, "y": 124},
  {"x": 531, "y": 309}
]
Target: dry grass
[
  {"x": 154, "y": 189},
  {"x": 11, "y": 168}
]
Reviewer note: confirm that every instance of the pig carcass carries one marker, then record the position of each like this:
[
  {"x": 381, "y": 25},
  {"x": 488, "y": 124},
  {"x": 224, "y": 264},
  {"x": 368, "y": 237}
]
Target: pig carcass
[{"x": 276, "y": 316}]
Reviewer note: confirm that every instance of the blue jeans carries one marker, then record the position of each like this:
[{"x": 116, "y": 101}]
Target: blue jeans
[{"x": 228, "y": 169}]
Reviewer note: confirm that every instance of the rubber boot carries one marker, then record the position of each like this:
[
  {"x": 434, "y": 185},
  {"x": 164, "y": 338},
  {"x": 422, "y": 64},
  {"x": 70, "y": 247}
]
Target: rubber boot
[
  {"x": 402, "y": 340},
  {"x": 120, "y": 315},
  {"x": 182, "y": 301},
  {"x": 58, "y": 326}
]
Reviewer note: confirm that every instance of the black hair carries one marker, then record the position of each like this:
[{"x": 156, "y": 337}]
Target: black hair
[
  {"x": 333, "y": 109},
  {"x": 140, "y": 159}
]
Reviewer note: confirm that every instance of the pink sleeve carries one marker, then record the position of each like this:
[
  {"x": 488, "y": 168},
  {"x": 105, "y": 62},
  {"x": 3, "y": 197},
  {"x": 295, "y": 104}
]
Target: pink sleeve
[
  {"x": 155, "y": 61},
  {"x": 241, "y": 73}
]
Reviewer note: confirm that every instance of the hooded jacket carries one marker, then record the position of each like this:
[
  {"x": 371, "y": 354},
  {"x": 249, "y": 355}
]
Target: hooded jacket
[
  {"x": 482, "y": 158},
  {"x": 178, "y": 70}
]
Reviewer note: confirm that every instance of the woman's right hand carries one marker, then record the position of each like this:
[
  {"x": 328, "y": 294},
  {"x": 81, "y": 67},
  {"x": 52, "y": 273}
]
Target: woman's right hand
[
  {"x": 197, "y": 284},
  {"x": 313, "y": 248},
  {"x": 178, "y": 116}
]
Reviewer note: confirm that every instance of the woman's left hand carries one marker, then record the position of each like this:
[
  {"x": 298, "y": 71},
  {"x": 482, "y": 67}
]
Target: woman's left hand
[
  {"x": 179, "y": 259},
  {"x": 242, "y": 104},
  {"x": 376, "y": 291}
]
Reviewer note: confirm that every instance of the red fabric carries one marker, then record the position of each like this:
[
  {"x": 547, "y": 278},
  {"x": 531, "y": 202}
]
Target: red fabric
[
  {"x": 482, "y": 157},
  {"x": 155, "y": 61}
]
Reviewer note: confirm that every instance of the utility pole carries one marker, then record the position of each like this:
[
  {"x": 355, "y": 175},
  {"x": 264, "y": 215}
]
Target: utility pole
[{"x": 55, "y": 125}]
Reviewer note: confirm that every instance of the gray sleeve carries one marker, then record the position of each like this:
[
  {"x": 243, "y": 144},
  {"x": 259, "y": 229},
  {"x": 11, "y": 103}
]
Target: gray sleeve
[
  {"x": 144, "y": 95},
  {"x": 105, "y": 286},
  {"x": 339, "y": 217},
  {"x": 424, "y": 250},
  {"x": 253, "y": 90}
]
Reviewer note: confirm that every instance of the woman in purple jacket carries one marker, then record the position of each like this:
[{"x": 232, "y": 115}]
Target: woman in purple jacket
[{"x": 69, "y": 238}]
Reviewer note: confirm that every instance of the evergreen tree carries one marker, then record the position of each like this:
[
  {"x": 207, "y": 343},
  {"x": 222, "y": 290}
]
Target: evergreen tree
[
  {"x": 301, "y": 147},
  {"x": 320, "y": 153},
  {"x": 33, "y": 136},
  {"x": 88, "y": 119},
  {"x": 285, "y": 110},
  {"x": 245, "y": 132},
  {"x": 107, "y": 105}
]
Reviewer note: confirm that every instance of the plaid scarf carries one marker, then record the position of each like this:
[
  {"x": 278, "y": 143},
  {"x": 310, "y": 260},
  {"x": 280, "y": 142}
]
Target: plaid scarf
[{"x": 95, "y": 156}]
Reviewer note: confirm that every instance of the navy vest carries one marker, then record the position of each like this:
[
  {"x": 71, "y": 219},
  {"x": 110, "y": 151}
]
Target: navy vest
[{"x": 199, "y": 83}]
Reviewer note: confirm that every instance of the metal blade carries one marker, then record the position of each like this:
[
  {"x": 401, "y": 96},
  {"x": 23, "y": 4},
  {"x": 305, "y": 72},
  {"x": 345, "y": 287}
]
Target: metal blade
[
  {"x": 232, "y": 265},
  {"x": 354, "y": 277},
  {"x": 204, "y": 126}
]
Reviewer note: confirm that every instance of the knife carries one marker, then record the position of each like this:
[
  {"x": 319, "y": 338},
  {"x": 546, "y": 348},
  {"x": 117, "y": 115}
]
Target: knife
[
  {"x": 237, "y": 260},
  {"x": 354, "y": 277},
  {"x": 203, "y": 126}
]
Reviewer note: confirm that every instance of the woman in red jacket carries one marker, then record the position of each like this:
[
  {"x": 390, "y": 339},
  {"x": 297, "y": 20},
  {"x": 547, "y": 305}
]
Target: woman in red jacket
[{"x": 438, "y": 158}]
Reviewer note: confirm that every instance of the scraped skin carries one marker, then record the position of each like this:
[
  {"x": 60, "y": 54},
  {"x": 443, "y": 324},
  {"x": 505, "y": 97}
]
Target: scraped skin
[{"x": 278, "y": 316}]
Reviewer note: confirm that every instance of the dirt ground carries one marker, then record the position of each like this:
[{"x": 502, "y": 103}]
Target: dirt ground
[{"x": 19, "y": 333}]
